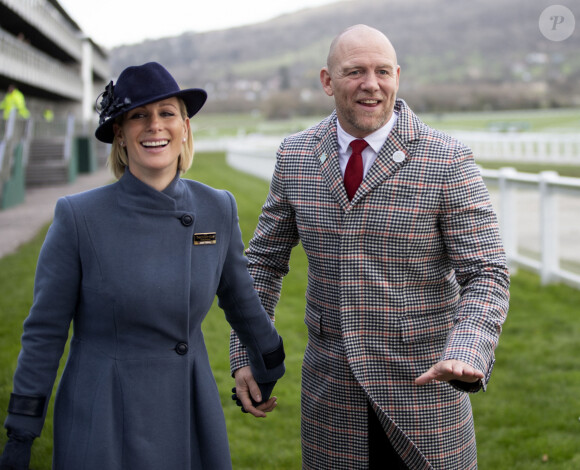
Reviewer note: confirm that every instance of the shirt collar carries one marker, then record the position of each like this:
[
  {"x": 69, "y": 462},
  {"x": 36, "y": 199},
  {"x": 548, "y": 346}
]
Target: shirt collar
[{"x": 375, "y": 140}]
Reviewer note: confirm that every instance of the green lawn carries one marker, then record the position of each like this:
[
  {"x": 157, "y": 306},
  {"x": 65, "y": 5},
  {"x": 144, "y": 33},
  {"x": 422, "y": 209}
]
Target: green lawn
[{"x": 528, "y": 419}]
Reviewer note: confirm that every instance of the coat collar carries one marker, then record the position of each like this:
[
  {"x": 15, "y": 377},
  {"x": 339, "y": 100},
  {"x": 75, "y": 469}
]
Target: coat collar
[{"x": 135, "y": 193}]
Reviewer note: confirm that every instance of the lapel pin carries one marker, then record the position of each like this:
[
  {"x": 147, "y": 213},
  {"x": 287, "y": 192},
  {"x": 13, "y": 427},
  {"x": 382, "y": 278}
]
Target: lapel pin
[
  {"x": 399, "y": 156},
  {"x": 322, "y": 158}
]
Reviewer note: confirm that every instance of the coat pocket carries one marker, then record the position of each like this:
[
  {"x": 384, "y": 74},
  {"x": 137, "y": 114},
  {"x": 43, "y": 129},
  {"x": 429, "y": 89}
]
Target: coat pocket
[
  {"x": 313, "y": 321},
  {"x": 321, "y": 323},
  {"x": 425, "y": 326}
]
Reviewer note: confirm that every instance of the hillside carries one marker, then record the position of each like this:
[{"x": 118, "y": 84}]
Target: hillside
[{"x": 453, "y": 55}]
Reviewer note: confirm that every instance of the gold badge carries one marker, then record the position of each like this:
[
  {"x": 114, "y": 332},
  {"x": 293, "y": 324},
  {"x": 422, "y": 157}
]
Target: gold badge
[{"x": 204, "y": 238}]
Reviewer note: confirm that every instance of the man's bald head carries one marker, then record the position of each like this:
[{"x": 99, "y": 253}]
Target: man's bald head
[{"x": 353, "y": 34}]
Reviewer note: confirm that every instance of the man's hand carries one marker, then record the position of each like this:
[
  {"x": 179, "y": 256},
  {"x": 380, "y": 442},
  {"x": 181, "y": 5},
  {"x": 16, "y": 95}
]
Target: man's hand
[
  {"x": 445, "y": 371},
  {"x": 246, "y": 385}
]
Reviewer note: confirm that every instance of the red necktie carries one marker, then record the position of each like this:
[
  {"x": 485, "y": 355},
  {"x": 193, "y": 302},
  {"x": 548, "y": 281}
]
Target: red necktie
[{"x": 353, "y": 174}]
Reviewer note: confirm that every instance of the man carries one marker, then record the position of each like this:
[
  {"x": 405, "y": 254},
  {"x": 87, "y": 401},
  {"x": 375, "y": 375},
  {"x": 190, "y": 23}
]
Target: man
[
  {"x": 407, "y": 278},
  {"x": 14, "y": 99}
]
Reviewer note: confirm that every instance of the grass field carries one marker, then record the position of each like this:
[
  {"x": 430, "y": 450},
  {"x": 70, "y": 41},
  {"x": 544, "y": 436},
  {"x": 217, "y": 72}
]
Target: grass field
[{"x": 529, "y": 418}]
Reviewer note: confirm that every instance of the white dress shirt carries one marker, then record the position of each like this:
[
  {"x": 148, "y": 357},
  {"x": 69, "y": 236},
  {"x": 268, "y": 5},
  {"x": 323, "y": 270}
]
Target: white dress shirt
[{"x": 369, "y": 154}]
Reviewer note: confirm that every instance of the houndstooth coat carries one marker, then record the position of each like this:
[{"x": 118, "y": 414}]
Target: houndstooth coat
[{"x": 410, "y": 272}]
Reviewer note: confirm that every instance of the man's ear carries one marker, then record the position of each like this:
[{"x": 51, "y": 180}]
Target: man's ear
[{"x": 326, "y": 81}]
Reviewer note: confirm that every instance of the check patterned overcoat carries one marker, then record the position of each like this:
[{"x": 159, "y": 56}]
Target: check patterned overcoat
[
  {"x": 136, "y": 271},
  {"x": 410, "y": 272}
]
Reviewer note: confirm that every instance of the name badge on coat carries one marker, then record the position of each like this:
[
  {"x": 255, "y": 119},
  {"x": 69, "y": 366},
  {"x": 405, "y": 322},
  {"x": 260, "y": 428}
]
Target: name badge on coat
[{"x": 208, "y": 238}]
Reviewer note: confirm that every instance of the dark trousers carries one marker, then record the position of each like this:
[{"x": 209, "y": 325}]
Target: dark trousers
[{"x": 382, "y": 456}]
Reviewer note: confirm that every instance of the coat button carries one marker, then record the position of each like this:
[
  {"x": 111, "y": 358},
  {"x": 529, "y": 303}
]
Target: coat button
[
  {"x": 181, "y": 348},
  {"x": 186, "y": 220}
]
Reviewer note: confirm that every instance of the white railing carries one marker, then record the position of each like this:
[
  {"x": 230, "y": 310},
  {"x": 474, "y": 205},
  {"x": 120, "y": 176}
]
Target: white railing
[
  {"x": 253, "y": 154},
  {"x": 523, "y": 146},
  {"x": 542, "y": 210}
]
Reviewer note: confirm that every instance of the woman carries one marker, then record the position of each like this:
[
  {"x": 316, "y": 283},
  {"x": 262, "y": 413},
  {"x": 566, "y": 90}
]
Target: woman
[{"x": 135, "y": 266}]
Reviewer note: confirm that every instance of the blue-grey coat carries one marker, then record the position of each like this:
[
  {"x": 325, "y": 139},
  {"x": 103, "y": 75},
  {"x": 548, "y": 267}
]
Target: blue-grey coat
[{"x": 136, "y": 271}]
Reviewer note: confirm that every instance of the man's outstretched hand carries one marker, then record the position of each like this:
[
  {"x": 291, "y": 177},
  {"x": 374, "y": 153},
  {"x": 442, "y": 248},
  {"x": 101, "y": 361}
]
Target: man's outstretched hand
[{"x": 446, "y": 371}]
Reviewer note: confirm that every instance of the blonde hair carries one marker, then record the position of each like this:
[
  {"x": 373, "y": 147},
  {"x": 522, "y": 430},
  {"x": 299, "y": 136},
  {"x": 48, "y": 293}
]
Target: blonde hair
[{"x": 118, "y": 160}]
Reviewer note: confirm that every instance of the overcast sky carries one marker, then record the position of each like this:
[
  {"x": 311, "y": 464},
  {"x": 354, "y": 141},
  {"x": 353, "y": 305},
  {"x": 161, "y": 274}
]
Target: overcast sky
[{"x": 112, "y": 23}]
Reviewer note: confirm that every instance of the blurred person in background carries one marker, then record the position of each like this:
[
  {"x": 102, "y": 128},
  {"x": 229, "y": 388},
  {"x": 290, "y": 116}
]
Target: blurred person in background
[
  {"x": 48, "y": 115},
  {"x": 14, "y": 99}
]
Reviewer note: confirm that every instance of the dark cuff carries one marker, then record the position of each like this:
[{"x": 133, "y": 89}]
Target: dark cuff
[
  {"x": 275, "y": 358},
  {"x": 20, "y": 436},
  {"x": 468, "y": 387},
  {"x": 26, "y": 406}
]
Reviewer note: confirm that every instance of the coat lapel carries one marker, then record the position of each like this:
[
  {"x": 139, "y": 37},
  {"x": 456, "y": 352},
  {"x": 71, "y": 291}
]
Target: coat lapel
[
  {"x": 394, "y": 153},
  {"x": 326, "y": 151}
]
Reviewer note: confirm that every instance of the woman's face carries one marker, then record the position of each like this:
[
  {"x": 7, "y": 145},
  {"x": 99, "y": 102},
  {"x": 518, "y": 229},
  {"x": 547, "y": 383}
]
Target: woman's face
[{"x": 153, "y": 135}]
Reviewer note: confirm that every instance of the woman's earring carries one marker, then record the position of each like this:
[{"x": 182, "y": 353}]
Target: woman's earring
[
  {"x": 122, "y": 143},
  {"x": 183, "y": 140}
]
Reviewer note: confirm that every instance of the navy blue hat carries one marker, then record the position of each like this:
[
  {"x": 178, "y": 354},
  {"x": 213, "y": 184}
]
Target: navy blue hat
[{"x": 137, "y": 86}]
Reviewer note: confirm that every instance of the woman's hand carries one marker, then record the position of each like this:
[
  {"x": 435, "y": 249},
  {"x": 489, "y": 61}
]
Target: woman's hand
[{"x": 247, "y": 389}]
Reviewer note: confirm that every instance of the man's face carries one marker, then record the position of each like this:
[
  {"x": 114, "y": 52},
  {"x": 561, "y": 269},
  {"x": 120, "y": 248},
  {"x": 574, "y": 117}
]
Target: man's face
[{"x": 363, "y": 77}]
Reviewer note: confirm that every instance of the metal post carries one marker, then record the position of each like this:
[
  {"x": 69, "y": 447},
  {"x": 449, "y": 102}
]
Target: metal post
[
  {"x": 508, "y": 225},
  {"x": 87, "y": 77},
  {"x": 550, "y": 253}
]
